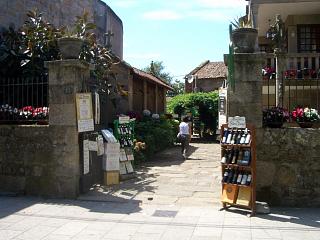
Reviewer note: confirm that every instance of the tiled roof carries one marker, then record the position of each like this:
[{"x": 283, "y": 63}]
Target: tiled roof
[
  {"x": 210, "y": 70},
  {"x": 150, "y": 77}
]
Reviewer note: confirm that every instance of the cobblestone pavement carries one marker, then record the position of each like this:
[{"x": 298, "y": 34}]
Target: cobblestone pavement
[
  {"x": 170, "y": 199},
  {"x": 169, "y": 179}
]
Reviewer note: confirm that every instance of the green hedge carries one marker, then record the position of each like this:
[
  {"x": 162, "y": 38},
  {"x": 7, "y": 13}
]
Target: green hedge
[
  {"x": 157, "y": 134},
  {"x": 202, "y": 105}
]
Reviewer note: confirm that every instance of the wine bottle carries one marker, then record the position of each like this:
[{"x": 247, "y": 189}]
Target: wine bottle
[
  {"x": 248, "y": 182},
  {"x": 225, "y": 135},
  {"x": 248, "y": 137},
  {"x": 235, "y": 177},
  {"x": 239, "y": 177},
  {"x": 230, "y": 176},
  {"x": 229, "y": 137},
  {"x": 244, "y": 179},
  {"x": 225, "y": 175},
  {"x": 246, "y": 158},
  {"x": 235, "y": 156},
  {"x": 224, "y": 157},
  {"x": 230, "y": 156},
  {"x": 238, "y": 137},
  {"x": 234, "y": 136},
  {"x": 240, "y": 157},
  {"x": 243, "y": 137}
]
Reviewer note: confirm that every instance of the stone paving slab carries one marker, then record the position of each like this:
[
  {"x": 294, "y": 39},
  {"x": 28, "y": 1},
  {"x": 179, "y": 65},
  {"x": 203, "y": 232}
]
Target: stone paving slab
[
  {"x": 187, "y": 189},
  {"x": 100, "y": 220}
]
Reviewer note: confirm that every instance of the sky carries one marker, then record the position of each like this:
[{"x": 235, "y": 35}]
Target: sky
[{"x": 180, "y": 33}]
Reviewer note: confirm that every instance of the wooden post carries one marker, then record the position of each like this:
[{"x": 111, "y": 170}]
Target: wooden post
[
  {"x": 145, "y": 95},
  {"x": 157, "y": 98},
  {"x": 130, "y": 89}
]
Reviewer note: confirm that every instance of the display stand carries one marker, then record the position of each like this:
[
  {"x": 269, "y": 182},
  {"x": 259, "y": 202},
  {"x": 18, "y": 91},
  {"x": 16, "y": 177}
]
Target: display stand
[
  {"x": 238, "y": 167},
  {"x": 124, "y": 133}
]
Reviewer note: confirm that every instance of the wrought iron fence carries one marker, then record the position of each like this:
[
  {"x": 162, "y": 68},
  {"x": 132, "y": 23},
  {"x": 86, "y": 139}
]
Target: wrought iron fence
[
  {"x": 296, "y": 90},
  {"x": 24, "y": 100}
]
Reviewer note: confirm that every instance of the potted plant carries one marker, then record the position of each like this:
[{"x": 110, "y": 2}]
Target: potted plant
[
  {"x": 244, "y": 36},
  {"x": 275, "y": 117},
  {"x": 72, "y": 41},
  {"x": 305, "y": 116}
]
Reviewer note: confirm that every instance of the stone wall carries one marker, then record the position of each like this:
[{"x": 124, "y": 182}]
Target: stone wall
[
  {"x": 45, "y": 160},
  {"x": 288, "y": 166},
  {"x": 39, "y": 160},
  {"x": 63, "y": 13},
  {"x": 288, "y": 159}
]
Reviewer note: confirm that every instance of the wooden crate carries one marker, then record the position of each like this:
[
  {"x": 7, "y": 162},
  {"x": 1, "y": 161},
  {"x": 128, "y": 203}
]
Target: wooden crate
[{"x": 111, "y": 177}]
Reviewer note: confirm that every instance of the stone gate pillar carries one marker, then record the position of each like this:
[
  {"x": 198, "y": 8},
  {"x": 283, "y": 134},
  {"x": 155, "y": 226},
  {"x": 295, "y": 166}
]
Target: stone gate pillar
[
  {"x": 66, "y": 78},
  {"x": 246, "y": 97}
]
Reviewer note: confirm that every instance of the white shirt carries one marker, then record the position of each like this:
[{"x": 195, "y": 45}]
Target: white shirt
[{"x": 184, "y": 128}]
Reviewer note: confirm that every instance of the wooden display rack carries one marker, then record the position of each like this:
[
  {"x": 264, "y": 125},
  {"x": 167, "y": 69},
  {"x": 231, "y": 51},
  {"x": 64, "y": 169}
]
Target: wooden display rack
[{"x": 234, "y": 194}]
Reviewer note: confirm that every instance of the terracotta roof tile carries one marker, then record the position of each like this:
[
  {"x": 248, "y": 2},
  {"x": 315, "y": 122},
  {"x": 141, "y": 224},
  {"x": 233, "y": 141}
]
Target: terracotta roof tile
[
  {"x": 210, "y": 70},
  {"x": 150, "y": 77}
]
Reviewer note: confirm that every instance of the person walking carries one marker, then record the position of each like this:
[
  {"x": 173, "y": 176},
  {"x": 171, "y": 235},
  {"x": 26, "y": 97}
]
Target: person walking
[{"x": 184, "y": 136}]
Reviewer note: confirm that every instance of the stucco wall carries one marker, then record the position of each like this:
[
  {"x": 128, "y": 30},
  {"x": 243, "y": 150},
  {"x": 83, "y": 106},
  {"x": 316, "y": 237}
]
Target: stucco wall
[{"x": 63, "y": 13}]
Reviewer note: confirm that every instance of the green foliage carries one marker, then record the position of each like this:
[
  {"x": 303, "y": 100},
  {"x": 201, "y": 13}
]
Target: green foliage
[
  {"x": 202, "y": 105},
  {"x": 157, "y": 69},
  {"x": 39, "y": 43},
  {"x": 178, "y": 88},
  {"x": 156, "y": 134},
  {"x": 242, "y": 22}
]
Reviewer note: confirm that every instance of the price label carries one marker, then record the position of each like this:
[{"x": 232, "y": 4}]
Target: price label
[
  {"x": 124, "y": 119},
  {"x": 237, "y": 122}
]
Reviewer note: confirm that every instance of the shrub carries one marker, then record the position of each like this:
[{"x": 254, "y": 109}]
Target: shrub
[
  {"x": 202, "y": 105},
  {"x": 157, "y": 134}
]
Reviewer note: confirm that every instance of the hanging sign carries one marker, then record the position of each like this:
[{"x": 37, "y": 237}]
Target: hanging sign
[
  {"x": 84, "y": 112},
  {"x": 86, "y": 157},
  {"x": 236, "y": 122}
]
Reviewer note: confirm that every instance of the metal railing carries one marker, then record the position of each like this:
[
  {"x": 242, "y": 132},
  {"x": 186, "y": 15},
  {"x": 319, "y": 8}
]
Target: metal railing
[
  {"x": 24, "y": 100},
  {"x": 304, "y": 92}
]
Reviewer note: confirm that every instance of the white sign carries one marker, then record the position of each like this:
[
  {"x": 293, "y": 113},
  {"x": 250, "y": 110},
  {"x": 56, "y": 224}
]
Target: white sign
[
  {"x": 84, "y": 112},
  {"x": 86, "y": 157},
  {"x": 236, "y": 122},
  {"x": 123, "y": 156},
  {"x": 124, "y": 119},
  {"x": 93, "y": 146},
  {"x": 97, "y": 108},
  {"x": 85, "y": 125},
  {"x": 123, "y": 169},
  {"x": 111, "y": 157},
  {"x": 100, "y": 145}
]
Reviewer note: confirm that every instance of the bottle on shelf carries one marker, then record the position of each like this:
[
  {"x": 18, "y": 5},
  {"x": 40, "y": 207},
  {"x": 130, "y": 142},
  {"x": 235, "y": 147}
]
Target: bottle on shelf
[
  {"x": 225, "y": 135},
  {"x": 249, "y": 178},
  {"x": 248, "y": 138},
  {"x": 235, "y": 177},
  {"x": 226, "y": 174},
  {"x": 244, "y": 179},
  {"x": 225, "y": 156},
  {"x": 234, "y": 136},
  {"x": 230, "y": 176},
  {"x": 235, "y": 156},
  {"x": 246, "y": 158},
  {"x": 230, "y": 156},
  {"x": 243, "y": 137},
  {"x": 239, "y": 136},
  {"x": 239, "y": 177},
  {"x": 240, "y": 157},
  {"x": 229, "y": 137}
]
